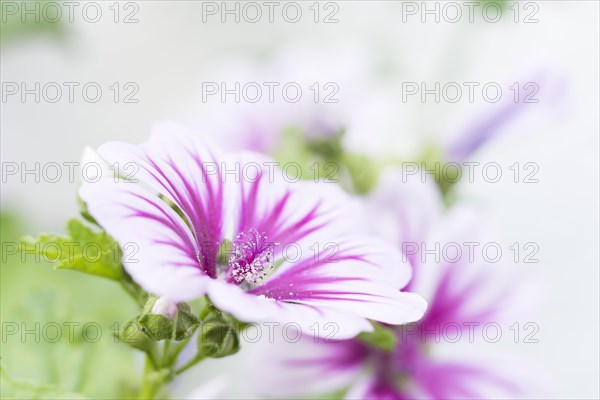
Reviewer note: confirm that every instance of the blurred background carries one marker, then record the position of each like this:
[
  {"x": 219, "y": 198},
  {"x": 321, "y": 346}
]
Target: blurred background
[{"x": 152, "y": 60}]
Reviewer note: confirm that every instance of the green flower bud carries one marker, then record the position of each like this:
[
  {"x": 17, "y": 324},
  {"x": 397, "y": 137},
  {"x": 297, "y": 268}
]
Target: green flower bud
[
  {"x": 162, "y": 316},
  {"x": 165, "y": 307},
  {"x": 133, "y": 335},
  {"x": 218, "y": 337}
]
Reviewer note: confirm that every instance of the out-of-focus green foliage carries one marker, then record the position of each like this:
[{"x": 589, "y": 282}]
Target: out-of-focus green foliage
[
  {"x": 446, "y": 178},
  {"x": 63, "y": 334},
  {"x": 363, "y": 171},
  {"x": 16, "y": 24},
  {"x": 57, "y": 330},
  {"x": 315, "y": 159},
  {"x": 324, "y": 159},
  {"x": 501, "y": 3}
]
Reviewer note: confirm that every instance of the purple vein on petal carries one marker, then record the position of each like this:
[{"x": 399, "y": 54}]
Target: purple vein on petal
[{"x": 166, "y": 220}]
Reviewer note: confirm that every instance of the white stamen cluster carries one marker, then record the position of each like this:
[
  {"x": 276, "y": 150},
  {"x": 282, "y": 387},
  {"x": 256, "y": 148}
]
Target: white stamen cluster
[{"x": 251, "y": 257}]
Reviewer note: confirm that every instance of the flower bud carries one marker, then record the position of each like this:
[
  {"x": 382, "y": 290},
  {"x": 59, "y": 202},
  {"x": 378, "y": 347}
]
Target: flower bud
[
  {"x": 163, "y": 318},
  {"x": 218, "y": 337},
  {"x": 165, "y": 306}
]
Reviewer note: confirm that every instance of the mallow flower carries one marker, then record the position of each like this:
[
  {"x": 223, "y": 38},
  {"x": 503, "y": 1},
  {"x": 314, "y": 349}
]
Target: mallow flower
[
  {"x": 236, "y": 228},
  {"x": 489, "y": 124},
  {"x": 433, "y": 358},
  {"x": 342, "y": 90}
]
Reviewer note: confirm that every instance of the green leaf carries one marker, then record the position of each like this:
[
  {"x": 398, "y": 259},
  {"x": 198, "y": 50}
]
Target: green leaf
[
  {"x": 83, "y": 250},
  {"x": 382, "y": 338}
]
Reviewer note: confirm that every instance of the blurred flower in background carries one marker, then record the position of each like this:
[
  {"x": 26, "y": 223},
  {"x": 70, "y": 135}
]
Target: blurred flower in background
[
  {"x": 469, "y": 297},
  {"x": 350, "y": 118},
  {"x": 405, "y": 207}
]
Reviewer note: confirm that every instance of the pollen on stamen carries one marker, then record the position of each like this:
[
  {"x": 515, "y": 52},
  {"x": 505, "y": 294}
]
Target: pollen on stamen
[{"x": 251, "y": 257}]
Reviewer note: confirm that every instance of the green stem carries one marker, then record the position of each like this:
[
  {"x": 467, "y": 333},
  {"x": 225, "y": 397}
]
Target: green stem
[
  {"x": 150, "y": 385},
  {"x": 204, "y": 313},
  {"x": 190, "y": 364},
  {"x": 179, "y": 348},
  {"x": 160, "y": 369},
  {"x": 207, "y": 309},
  {"x": 135, "y": 291},
  {"x": 165, "y": 356}
]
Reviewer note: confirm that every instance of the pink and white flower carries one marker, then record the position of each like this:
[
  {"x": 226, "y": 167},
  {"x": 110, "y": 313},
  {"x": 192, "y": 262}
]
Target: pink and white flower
[
  {"x": 189, "y": 201},
  {"x": 465, "y": 294}
]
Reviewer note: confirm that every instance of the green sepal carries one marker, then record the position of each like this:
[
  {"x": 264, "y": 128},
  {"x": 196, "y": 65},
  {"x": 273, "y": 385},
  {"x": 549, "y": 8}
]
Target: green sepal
[
  {"x": 187, "y": 322},
  {"x": 83, "y": 211},
  {"x": 382, "y": 338},
  {"x": 156, "y": 326},
  {"x": 132, "y": 334},
  {"x": 434, "y": 160}
]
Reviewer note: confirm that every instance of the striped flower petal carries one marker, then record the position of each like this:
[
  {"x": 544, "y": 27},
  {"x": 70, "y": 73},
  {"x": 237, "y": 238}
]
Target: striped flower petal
[{"x": 187, "y": 203}]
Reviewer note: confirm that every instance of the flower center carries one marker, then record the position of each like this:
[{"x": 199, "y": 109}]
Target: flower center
[{"x": 251, "y": 258}]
